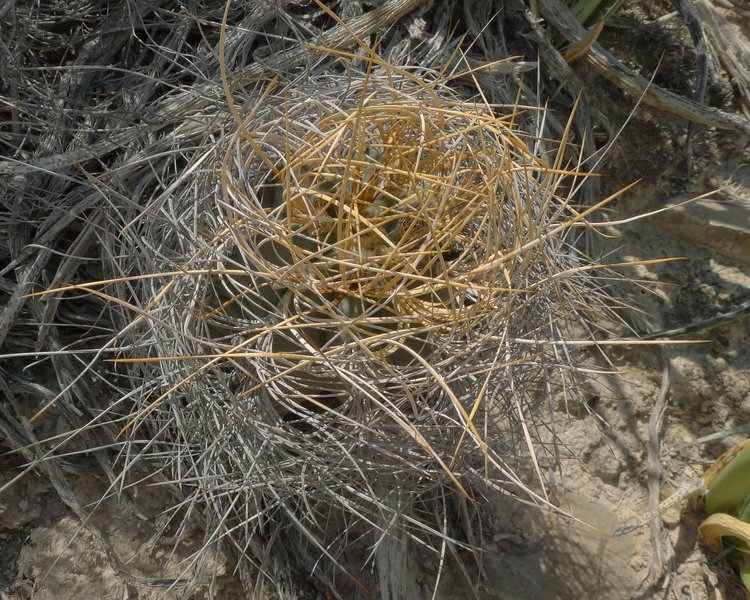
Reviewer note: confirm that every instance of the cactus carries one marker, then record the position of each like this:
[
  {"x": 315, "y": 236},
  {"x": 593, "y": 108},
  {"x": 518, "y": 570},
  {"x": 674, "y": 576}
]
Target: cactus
[
  {"x": 365, "y": 300},
  {"x": 338, "y": 320}
]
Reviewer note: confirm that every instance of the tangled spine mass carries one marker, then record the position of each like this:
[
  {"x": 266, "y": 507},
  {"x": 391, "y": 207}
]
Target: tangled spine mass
[{"x": 361, "y": 281}]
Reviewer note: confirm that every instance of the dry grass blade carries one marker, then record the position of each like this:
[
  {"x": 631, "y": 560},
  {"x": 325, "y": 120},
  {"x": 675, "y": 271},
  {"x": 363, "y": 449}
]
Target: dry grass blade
[{"x": 349, "y": 275}]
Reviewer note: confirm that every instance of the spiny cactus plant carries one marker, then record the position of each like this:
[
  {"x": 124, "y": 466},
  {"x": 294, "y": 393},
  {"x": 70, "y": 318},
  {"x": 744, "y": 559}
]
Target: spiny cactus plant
[
  {"x": 341, "y": 304},
  {"x": 342, "y": 312}
]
